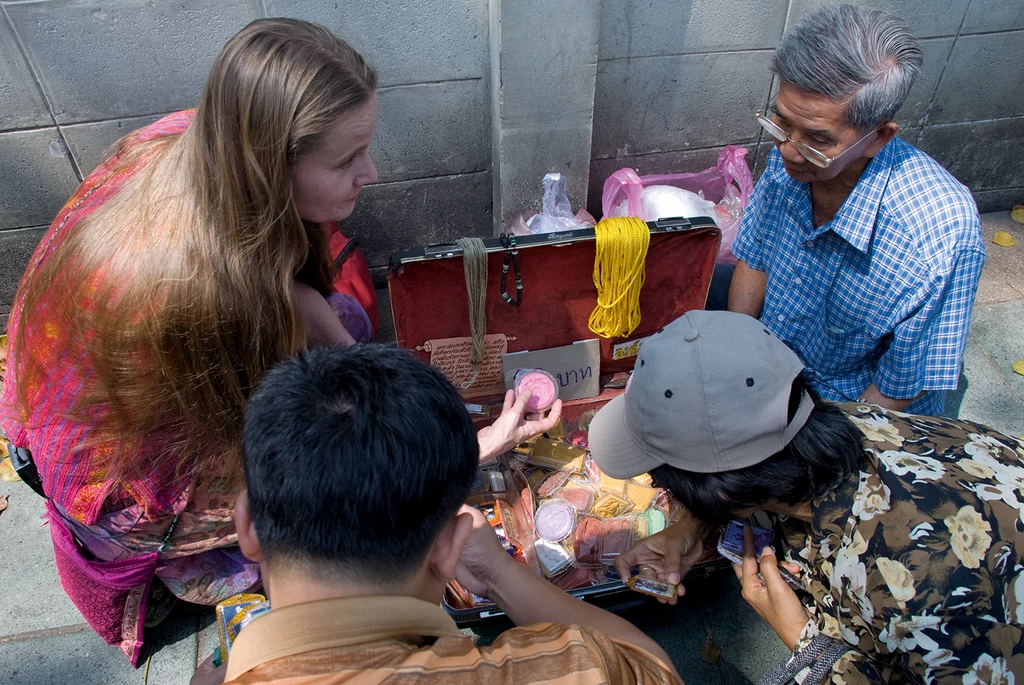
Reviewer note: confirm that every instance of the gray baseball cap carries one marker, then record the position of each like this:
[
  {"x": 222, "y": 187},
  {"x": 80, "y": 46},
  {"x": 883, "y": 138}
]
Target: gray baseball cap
[{"x": 709, "y": 393}]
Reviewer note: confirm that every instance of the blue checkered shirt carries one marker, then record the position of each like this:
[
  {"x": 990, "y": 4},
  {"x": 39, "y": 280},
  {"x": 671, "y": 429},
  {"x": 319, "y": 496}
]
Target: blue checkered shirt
[{"x": 880, "y": 294}]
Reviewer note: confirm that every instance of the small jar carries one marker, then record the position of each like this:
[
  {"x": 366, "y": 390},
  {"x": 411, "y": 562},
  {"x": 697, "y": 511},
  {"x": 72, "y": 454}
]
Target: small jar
[{"x": 541, "y": 384}]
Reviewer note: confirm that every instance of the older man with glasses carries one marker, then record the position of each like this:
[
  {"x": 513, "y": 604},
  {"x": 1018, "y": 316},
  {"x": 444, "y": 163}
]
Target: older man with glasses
[{"x": 857, "y": 249}]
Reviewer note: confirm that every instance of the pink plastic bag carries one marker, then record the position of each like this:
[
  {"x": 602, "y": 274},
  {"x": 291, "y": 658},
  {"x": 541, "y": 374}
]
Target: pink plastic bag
[{"x": 728, "y": 184}]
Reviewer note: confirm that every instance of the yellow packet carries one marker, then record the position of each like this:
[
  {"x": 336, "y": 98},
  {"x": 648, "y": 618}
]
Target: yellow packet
[
  {"x": 552, "y": 454},
  {"x": 640, "y": 495},
  {"x": 610, "y": 505},
  {"x": 644, "y": 479},
  {"x": 233, "y": 614},
  {"x": 616, "y": 485}
]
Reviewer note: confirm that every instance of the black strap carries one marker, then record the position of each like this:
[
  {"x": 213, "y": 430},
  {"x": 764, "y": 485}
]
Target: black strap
[
  {"x": 25, "y": 467},
  {"x": 345, "y": 253}
]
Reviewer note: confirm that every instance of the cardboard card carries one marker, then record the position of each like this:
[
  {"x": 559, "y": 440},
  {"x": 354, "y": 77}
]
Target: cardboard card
[{"x": 576, "y": 367}]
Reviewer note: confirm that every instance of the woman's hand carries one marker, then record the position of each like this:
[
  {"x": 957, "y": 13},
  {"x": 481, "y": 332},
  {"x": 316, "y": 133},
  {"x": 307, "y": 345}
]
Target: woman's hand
[
  {"x": 666, "y": 556},
  {"x": 768, "y": 593},
  {"x": 514, "y": 426},
  {"x": 323, "y": 328}
]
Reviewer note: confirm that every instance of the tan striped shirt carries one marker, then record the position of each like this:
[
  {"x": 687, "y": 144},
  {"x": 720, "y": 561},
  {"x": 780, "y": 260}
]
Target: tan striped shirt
[{"x": 364, "y": 640}]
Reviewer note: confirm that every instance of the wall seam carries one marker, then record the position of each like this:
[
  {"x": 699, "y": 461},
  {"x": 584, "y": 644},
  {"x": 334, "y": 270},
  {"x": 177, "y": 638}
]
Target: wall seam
[
  {"x": 263, "y": 7},
  {"x": 942, "y": 75},
  {"x": 701, "y": 53},
  {"x": 947, "y": 124},
  {"x": 431, "y": 178},
  {"x": 702, "y": 148},
  {"x": 439, "y": 82},
  {"x": 42, "y": 93},
  {"x": 106, "y": 120}
]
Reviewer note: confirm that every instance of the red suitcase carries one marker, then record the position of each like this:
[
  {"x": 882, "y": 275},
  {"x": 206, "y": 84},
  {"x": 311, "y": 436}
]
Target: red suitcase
[{"x": 429, "y": 303}]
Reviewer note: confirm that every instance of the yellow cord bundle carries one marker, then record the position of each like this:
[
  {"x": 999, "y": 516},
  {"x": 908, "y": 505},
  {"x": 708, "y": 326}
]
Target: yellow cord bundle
[{"x": 619, "y": 275}]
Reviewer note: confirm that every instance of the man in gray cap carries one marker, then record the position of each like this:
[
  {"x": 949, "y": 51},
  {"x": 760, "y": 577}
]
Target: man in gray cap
[{"x": 905, "y": 533}]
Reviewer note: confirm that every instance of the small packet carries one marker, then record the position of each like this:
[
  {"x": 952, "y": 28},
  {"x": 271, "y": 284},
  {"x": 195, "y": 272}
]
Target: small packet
[
  {"x": 654, "y": 588},
  {"x": 552, "y": 454},
  {"x": 644, "y": 479},
  {"x": 655, "y": 521},
  {"x": 616, "y": 538},
  {"x": 553, "y": 557},
  {"x": 640, "y": 527},
  {"x": 640, "y": 495},
  {"x": 591, "y": 469},
  {"x": 587, "y": 542},
  {"x": 495, "y": 480},
  {"x": 575, "y": 578},
  {"x": 610, "y": 505},
  {"x": 616, "y": 485},
  {"x": 557, "y": 432},
  {"x": 578, "y": 496},
  {"x": 536, "y": 476},
  {"x": 233, "y": 614},
  {"x": 552, "y": 482},
  {"x": 554, "y": 520},
  {"x": 509, "y": 522}
]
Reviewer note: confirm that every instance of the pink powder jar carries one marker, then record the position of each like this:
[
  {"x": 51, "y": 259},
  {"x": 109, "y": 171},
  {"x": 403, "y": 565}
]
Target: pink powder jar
[{"x": 541, "y": 384}]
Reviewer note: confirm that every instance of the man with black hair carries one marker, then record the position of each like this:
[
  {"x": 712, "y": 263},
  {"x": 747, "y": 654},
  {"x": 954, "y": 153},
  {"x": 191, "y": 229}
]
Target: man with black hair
[
  {"x": 905, "y": 533},
  {"x": 358, "y": 461}
]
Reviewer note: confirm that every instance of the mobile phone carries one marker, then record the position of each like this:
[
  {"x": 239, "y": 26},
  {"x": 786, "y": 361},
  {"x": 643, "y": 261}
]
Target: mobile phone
[{"x": 730, "y": 546}]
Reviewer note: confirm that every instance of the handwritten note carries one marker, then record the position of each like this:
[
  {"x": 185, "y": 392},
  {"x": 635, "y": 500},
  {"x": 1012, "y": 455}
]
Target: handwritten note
[{"x": 451, "y": 357}]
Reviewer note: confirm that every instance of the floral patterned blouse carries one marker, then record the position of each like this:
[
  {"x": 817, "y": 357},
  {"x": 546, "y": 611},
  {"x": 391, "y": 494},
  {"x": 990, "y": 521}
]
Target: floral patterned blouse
[{"x": 917, "y": 562}]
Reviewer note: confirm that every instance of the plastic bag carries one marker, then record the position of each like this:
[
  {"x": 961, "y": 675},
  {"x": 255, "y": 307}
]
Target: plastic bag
[
  {"x": 556, "y": 214},
  {"x": 727, "y": 184}
]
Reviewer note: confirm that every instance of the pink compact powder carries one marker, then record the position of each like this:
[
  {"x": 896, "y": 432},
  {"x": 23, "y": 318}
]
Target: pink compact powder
[
  {"x": 541, "y": 384},
  {"x": 554, "y": 520}
]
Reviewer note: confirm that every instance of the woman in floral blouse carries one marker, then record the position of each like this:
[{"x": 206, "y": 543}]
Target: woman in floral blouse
[{"x": 905, "y": 533}]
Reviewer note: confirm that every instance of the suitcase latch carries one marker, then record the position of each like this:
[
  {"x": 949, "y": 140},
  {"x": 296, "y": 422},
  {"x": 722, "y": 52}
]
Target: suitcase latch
[
  {"x": 442, "y": 250},
  {"x": 675, "y": 223}
]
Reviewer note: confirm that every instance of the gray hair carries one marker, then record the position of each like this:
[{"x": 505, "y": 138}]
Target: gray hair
[{"x": 863, "y": 57}]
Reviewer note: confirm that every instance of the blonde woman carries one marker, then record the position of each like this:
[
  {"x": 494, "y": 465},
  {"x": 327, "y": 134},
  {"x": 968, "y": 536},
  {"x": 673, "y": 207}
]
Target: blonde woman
[{"x": 189, "y": 262}]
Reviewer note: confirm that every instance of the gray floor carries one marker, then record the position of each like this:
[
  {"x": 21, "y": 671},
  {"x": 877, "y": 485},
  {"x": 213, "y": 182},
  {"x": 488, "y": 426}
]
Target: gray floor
[{"x": 43, "y": 639}]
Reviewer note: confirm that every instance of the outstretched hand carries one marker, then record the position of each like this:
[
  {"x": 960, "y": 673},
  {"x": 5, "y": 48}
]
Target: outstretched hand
[
  {"x": 666, "y": 556},
  {"x": 514, "y": 426},
  {"x": 766, "y": 591}
]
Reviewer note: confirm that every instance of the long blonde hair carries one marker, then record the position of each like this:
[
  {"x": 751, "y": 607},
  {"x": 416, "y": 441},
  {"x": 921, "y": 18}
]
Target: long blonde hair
[{"x": 187, "y": 272}]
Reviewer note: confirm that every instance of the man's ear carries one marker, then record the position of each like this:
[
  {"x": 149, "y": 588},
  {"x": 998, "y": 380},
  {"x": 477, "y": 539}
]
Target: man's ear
[
  {"x": 248, "y": 542},
  {"x": 886, "y": 132},
  {"x": 447, "y": 549}
]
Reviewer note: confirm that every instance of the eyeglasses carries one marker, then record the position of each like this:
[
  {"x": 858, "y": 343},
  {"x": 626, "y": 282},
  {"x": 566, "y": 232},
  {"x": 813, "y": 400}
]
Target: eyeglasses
[{"x": 816, "y": 158}]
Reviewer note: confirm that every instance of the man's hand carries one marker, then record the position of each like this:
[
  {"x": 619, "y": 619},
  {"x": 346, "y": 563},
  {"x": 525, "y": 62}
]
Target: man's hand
[
  {"x": 874, "y": 396},
  {"x": 483, "y": 557},
  {"x": 206, "y": 674},
  {"x": 771, "y": 598},
  {"x": 514, "y": 426},
  {"x": 667, "y": 556}
]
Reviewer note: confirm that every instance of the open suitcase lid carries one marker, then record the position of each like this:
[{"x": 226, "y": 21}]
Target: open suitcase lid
[
  {"x": 429, "y": 299},
  {"x": 429, "y": 302}
]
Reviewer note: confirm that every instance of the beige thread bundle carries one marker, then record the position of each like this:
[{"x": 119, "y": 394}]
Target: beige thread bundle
[
  {"x": 619, "y": 274},
  {"x": 474, "y": 266}
]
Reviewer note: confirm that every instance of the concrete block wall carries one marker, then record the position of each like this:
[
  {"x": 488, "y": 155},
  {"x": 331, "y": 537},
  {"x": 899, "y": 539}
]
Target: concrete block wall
[
  {"x": 480, "y": 98},
  {"x": 677, "y": 80}
]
